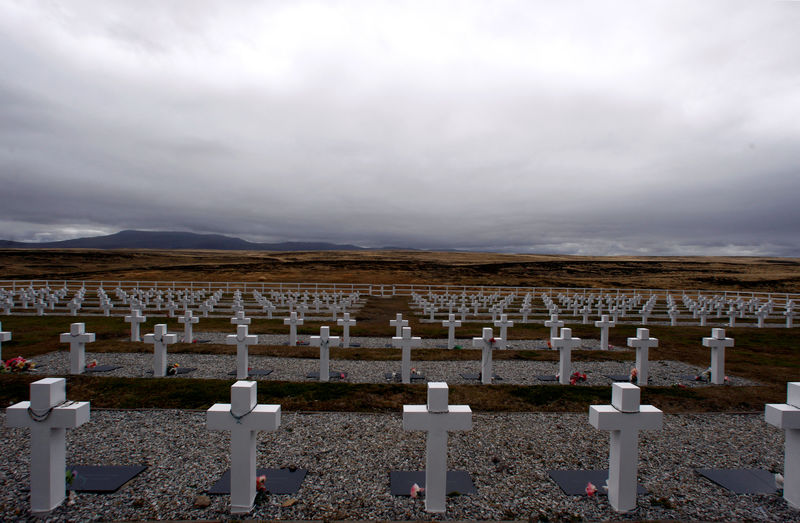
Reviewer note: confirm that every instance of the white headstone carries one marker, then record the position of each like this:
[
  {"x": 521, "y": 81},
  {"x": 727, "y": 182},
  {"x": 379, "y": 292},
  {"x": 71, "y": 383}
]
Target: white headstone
[
  {"x": 786, "y": 416},
  {"x": 346, "y": 323},
  {"x": 160, "y": 339},
  {"x": 241, "y": 339},
  {"x": 504, "y": 323},
  {"x": 77, "y": 337},
  {"x": 240, "y": 319},
  {"x": 324, "y": 341},
  {"x": 486, "y": 343},
  {"x": 624, "y": 418},
  {"x": 642, "y": 342},
  {"x": 135, "y": 319},
  {"x": 292, "y": 321},
  {"x": 398, "y": 323},
  {"x": 565, "y": 343},
  {"x": 4, "y": 336},
  {"x": 604, "y": 324},
  {"x": 437, "y": 418},
  {"x": 406, "y": 342},
  {"x": 718, "y": 342},
  {"x": 244, "y": 418},
  {"x": 188, "y": 320},
  {"x": 554, "y": 323},
  {"x": 48, "y": 414},
  {"x": 451, "y": 323}
]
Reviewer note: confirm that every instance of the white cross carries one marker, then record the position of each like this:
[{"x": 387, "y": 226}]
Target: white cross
[
  {"x": 451, "y": 323},
  {"x": 786, "y": 416},
  {"x": 171, "y": 308},
  {"x": 240, "y": 319},
  {"x": 437, "y": 418},
  {"x": 244, "y": 418},
  {"x": 48, "y": 415},
  {"x": 269, "y": 308},
  {"x": 624, "y": 418},
  {"x": 431, "y": 310},
  {"x": 717, "y": 342},
  {"x": 703, "y": 314},
  {"x": 292, "y": 321},
  {"x": 241, "y": 339},
  {"x": 789, "y": 317},
  {"x": 673, "y": 317},
  {"x": 761, "y": 314},
  {"x": 585, "y": 311},
  {"x": 642, "y": 342},
  {"x": 74, "y": 306},
  {"x": 4, "y": 336},
  {"x": 504, "y": 324},
  {"x": 160, "y": 339},
  {"x": 565, "y": 343},
  {"x": 463, "y": 310},
  {"x": 604, "y": 324},
  {"x": 324, "y": 341},
  {"x": 486, "y": 343},
  {"x": 406, "y": 342},
  {"x": 334, "y": 308},
  {"x": 525, "y": 311},
  {"x": 188, "y": 319},
  {"x": 398, "y": 324},
  {"x": 77, "y": 337},
  {"x": 40, "y": 305},
  {"x": 554, "y": 323},
  {"x": 135, "y": 319},
  {"x": 106, "y": 305},
  {"x": 346, "y": 323}
]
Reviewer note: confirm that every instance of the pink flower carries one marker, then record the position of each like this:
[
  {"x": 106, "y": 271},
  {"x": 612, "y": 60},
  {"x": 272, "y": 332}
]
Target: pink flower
[
  {"x": 261, "y": 483},
  {"x": 591, "y": 490},
  {"x": 415, "y": 490}
]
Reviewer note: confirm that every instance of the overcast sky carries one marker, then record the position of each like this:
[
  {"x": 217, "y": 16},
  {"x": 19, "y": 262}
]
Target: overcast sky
[{"x": 597, "y": 127}]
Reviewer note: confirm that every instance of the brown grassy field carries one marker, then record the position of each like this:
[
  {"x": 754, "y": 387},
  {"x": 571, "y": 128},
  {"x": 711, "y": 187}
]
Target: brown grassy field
[{"x": 711, "y": 273}]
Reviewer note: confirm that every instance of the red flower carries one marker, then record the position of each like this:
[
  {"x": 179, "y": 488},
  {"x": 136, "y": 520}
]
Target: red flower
[{"x": 591, "y": 490}]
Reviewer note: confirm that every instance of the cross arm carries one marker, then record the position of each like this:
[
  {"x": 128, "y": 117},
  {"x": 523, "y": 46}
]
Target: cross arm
[
  {"x": 72, "y": 415},
  {"x": 782, "y": 415},
  {"x": 262, "y": 417},
  {"x": 606, "y": 417}
]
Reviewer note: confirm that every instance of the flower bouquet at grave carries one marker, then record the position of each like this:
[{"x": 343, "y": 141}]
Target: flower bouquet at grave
[
  {"x": 261, "y": 490},
  {"x": 92, "y": 364},
  {"x": 172, "y": 370},
  {"x": 577, "y": 377},
  {"x": 634, "y": 376},
  {"x": 18, "y": 364}
]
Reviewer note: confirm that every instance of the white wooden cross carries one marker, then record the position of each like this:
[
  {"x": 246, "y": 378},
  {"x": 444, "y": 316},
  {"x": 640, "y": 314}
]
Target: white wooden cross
[
  {"x": 241, "y": 339},
  {"x": 604, "y": 324},
  {"x": 4, "y": 336},
  {"x": 324, "y": 342},
  {"x": 718, "y": 342},
  {"x": 789, "y": 317},
  {"x": 40, "y": 306},
  {"x": 624, "y": 418},
  {"x": 106, "y": 305},
  {"x": 240, "y": 319},
  {"x": 463, "y": 310},
  {"x": 554, "y": 323},
  {"x": 786, "y": 416},
  {"x": 703, "y": 315},
  {"x": 346, "y": 323},
  {"x": 188, "y": 319},
  {"x": 451, "y": 323},
  {"x": 673, "y": 316},
  {"x": 585, "y": 311},
  {"x": 77, "y": 337},
  {"x": 269, "y": 308},
  {"x": 244, "y": 418},
  {"x": 406, "y": 342},
  {"x": 48, "y": 414},
  {"x": 504, "y": 324},
  {"x": 398, "y": 323},
  {"x": 642, "y": 342},
  {"x": 437, "y": 418},
  {"x": 761, "y": 314},
  {"x": 171, "y": 308},
  {"x": 74, "y": 306},
  {"x": 430, "y": 310},
  {"x": 565, "y": 343},
  {"x": 486, "y": 343},
  {"x": 135, "y": 319},
  {"x": 160, "y": 339},
  {"x": 334, "y": 308},
  {"x": 292, "y": 321},
  {"x": 525, "y": 311}
]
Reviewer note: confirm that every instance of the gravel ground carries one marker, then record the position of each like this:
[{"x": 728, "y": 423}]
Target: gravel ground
[{"x": 349, "y": 456}]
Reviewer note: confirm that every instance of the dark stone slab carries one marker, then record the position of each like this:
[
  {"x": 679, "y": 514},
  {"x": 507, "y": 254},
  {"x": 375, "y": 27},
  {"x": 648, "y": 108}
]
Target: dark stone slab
[
  {"x": 399, "y": 377},
  {"x": 551, "y": 377},
  {"x": 355, "y": 344},
  {"x": 689, "y": 377},
  {"x": 300, "y": 343},
  {"x": 459, "y": 482},
  {"x": 182, "y": 370},
  {"x": 103, "y": 368},
  {"x": 102, "y": 479},
  {"x": 618, "y": 377},
  {"x": 742, "y": 481},
  {"x": 573, "y": 482},
  {"x": 441, "y": 346},
  {"x": 331, "y": 375},
  {"x": 279, "y": 481},
  {"x": 254, "y": 372},
  {"x": 477, "y": 377}
]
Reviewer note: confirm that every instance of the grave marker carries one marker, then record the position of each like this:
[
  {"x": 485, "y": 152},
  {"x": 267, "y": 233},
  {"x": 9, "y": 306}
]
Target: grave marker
[
  {"x": 48, "y": 414},
  {"x": 624, "y": 418},
  {"x": 398, "y": 323},
  {"x": 323, "y": 341},
  {"x": 718, "y": 342},
  {"x": 565, "y": 343},
  {"x": 786, "y": 416},
  {"x": 604, "y": 324},
  {"x": 554, "y": 323},
  {"x": 135, "y": 319},
  {"x": 406, "y": 342},
  {"x": 486, "y": 343},
  {"x": 160, "y": 340},
  {"x": 188, "y": 320},
  {"x": 642, "y": 342},
  {"x": 346, "y": 323},
  {"x": 244, "y": 418},
  {"x": 292, "y": 321},
  {"x": 241, "y": 339},
  {"x": 437, "y": 418},
  {"x": 4, "y": 336},
  {"x": 77, "y": 337},
  {"x": 451, "y": 323},
  {"x": 504, "y": 324}
]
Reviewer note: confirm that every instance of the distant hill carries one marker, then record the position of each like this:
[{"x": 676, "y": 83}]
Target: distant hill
[{"x": 176, "y": 240}]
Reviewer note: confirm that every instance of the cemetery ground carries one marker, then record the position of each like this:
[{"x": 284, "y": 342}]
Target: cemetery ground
[{"x": 348, "y": 434}]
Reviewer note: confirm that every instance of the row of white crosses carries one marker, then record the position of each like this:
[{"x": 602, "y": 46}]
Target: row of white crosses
[{"x": 48, "y": 414}]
